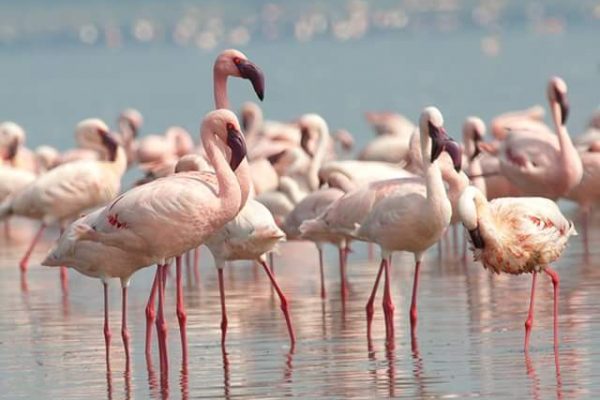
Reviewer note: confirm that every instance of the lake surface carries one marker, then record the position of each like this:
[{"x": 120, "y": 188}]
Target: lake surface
[{"x": 470, "y": 332}]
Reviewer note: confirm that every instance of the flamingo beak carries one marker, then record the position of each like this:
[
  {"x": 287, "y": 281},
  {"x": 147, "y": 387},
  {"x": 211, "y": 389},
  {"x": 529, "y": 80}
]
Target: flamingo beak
[
  {"x": 253, "y": 73},
  {"x": 109, "y": 142},
  {"x": 237, "y": 144},
  {"x": 11, "y": 150},
  {"x": 477, "y": 149},
  {"x": 561, "y": 98},
  {"x": 304, "y": 139},
  {"x": 455, "y": 151},
  {"x": 438, "y": 137},
  {"x": 476, "y": 238}
]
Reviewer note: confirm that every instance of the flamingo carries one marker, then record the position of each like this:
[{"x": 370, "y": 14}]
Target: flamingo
[
  {"x": 186, "y": 208},
  {"x": 392, "y": 143},
  {"x": 413, "y": 216},
  {"x": 587, "y": 192},
  {"x": 12, "y": 180},
  {"x": 517, "y": 235},
  {"x": 234, "y": 63},
  {"x": 62, "y": 193},
  {"x": 12, "y": 140},
  {"x": 543, "y": 165},
  {"x": 251, "y": 234},
  {"x": 311, "y": 207},
  {"x": 531, "y": 117},
  {"x": 591, "y": 134},
  {"x": 99, "y": 261},
  {"x": 129, "y": 124}
]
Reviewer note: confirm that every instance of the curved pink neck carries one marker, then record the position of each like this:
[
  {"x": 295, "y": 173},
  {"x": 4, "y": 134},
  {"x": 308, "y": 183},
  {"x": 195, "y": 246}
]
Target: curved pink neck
[
  {"x": 229, "y": 187},
  {"x": 220, "y": 89}
]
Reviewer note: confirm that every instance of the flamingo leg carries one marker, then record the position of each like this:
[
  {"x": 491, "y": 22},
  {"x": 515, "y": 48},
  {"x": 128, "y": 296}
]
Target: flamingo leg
[
  {"x": 223, "y": 309},
  {"x": 284, "y": 303},
  {"x": 321, "y": 272},
  {"x": 64, "y": 280},
  {"x": 197, "y": 265},
  {"x": 151, "y": 314},
  {"x": 529, "y": 321},
  {"x": 181, "y": 314},
  {"x": 23, "y": 264},
  {"x": 107, "y": 333},
  {"x": 555, "y": 283},
  {"x": 369, "y": 306},
  {"x": 388, "y": 304},
  {"x": 272, "y": 262},
  {"x": 342, "y": 257},
  {"x": 124, "y": 331},
  {"x": 161, "y": 323},
  {"x": 413, "y": 303},
  {"x": 585, "y": 219}
]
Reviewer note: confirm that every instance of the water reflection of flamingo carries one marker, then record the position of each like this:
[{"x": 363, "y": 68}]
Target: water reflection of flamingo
[{"x": 515, "y": 236}]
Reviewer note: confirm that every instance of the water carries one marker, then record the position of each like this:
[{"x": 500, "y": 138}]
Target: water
[
  {"x": 471, "y": 324},
  {"x": 470, "y": 333}
]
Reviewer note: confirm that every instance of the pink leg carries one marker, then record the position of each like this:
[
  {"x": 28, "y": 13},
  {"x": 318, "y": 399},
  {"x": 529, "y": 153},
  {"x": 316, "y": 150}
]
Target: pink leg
[
  {"x": 284, "y": 303},
  {"x": 151, "y": 314},
  {"x": 529, "y": 321},
  {"x": 107, "y": 333},
  {"x": 464, "y": 250},
  {"x": 413, "y": 304},
  {"x": 197, "y": 265},
  {"x": 388, "y": 305},
  {"x": 555, "y": 282},
  {"x": 585, "y": 217},
  {"x": 223, "y": 309},
  {"x": 64, "y": 280},
  {"x": 322, "y": 273},
  {"x": 161, "y": 322},
  {"x": 181, "y": 315},
  {"x": 342, "y": 257},
  {"x": 369, "y": 306},
  {"x": 371, "y": 250},
  {"x": 25, "y": 260},
  {"x": 124, "y": 331},
  {"x": 272, "y": 262}
]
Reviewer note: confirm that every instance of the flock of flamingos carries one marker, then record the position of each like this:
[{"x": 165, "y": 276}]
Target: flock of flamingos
[{"x": 251, "y": 185}]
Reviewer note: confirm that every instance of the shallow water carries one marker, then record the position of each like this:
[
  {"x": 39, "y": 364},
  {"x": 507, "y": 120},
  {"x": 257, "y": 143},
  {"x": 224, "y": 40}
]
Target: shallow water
[{"x": 470, "y": 332}]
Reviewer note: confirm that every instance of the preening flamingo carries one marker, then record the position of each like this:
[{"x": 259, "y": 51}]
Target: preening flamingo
[
  {"x": 543, "y": 165},
  {"x": 517, "y": 235},
  {"x": 413, "y": 216},
  {"x": 62, "y": 193},
  {"x": 186, "y": 208}
]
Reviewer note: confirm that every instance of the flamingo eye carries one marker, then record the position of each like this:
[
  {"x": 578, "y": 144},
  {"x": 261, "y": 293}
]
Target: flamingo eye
[
  {"x": 236, "y": 60},
  {"x": 230, "y": 126}
]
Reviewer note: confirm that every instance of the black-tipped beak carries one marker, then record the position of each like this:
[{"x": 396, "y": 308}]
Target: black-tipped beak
[
  {"x": 110, "y": 143},
  {"x": 253, "y": 73},
  {"x": 237, "y": 144},
  {"x": 438, "y": 137},
  {"x": 304, "y": 139},
  {"x": 274, "y": 159},
  {"x": 11, "y": 150},
  {"x": 476, "y": 238},
  {"x": 477, "y": 149},
  {"x": 132, "y": 128},
  {"x": 564, "y": 106},
  {"x": 455, "y": 151}
]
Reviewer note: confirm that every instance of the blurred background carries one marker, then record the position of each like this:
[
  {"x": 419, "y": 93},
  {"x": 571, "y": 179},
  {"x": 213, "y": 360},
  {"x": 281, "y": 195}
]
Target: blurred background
[{"x": 339, "y": 58}]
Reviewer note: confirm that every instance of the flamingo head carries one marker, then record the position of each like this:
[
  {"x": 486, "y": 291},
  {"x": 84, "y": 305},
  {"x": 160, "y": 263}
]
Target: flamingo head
[
  {"x": 93, "y": 133},
  {"x": 234, "y": 63},
  {"x": 131, "y": 120},
  {"x": 473, "y": 134},
  {"x": 311, "y": 125},
  {"x": 468, "y": 205},
  {"x": 433, "y": 121},
  {"x": 225, "y": 125},
  {"x": 557, "y": 94},
  {"x": 11, "y": 137},
  {"x": 250, "y": 114}
]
